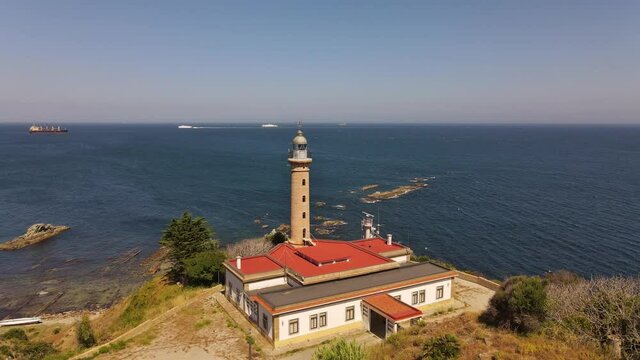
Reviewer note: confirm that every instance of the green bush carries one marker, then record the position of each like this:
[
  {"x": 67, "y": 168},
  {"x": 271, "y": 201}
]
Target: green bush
[
  {"x": 204, "y": 268},
  {"x": 339, "y": 350},
  {"x": 520, "y": 304},
  {"x": 5, "y": 352},
  {"x": 278, "y": 238},
  {"x": 441, "y": 348},
  {"x": 17, "y": 334},
  {"x": 84, "y": 333},
  {"x": 37, "y": 350}
]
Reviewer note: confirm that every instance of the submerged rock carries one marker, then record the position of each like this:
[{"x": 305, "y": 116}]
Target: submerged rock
[{"x": 36, "y": 233}]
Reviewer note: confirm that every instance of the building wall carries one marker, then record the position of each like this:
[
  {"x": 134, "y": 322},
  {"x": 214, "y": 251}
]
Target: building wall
[
  {"x": 336, "y": 312},
  {"x": 400, "y": 259},
  {"x": 336, "y": 317},
  {"x": 268, "y": 329},
  {"x": 234, "y": 290},
  {"x": 267, "y": 283},
  {"x": 430, "y": 292}
]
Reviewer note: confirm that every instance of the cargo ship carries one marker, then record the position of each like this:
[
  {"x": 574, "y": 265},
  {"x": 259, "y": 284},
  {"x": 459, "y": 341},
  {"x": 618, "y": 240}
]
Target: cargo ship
[{"x": 47, "y": 129}]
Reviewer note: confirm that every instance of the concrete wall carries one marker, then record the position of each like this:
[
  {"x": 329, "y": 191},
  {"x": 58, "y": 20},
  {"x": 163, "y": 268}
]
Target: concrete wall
[
  {"x": 336, "y": 317},
  {"x": 267, "y": 283},
  {"x": 401, "y": 258},
  {"x": 268, "y": 330},
  {"x": 479, "y": 280},
  {"x": 430, "y": 292}
]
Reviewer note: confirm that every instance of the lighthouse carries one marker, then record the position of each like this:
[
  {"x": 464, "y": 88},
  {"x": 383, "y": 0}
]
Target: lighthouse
[{"x": 299, "y": 160}]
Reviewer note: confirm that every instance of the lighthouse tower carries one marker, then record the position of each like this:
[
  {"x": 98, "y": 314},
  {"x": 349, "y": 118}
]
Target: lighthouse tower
[{"x": 299, "y": 160}]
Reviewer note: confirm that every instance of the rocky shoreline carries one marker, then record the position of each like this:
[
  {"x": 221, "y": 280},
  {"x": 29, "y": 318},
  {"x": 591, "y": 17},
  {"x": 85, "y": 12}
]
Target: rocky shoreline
[{"x": 35, "y": 234}]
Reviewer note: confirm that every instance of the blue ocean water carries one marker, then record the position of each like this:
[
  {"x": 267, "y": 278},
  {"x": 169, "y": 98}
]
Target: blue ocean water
[{"x": 503, "y": 199}]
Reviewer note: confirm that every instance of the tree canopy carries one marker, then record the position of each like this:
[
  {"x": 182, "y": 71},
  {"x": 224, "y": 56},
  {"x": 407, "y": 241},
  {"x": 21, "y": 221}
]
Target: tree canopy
[{"x": 192, "y": 248}]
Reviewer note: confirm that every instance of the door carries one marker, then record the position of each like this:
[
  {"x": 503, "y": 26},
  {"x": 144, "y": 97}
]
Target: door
[{"x": 378, "y": 324}]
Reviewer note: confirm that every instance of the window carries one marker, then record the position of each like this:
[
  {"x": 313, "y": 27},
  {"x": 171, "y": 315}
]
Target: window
[
  {"x": 398, "y": 297},
  {"x": 304, "y": 215},
  {"x": 264, "y": 321},
  {"x": 323, "y": 319},
  {"x": 439, "y": 292},
  {"x": 350, "y": 313},
  {"x": 304, "y": 233},
  {"x": 293, "y": 326},
  {"x": 304, "y": 182},
  {"x": 304, "y": 198},
  {"x": 422, "y": 296},
  {"x": 414, "y": 298},
  {"x": 313, "y": 322}
]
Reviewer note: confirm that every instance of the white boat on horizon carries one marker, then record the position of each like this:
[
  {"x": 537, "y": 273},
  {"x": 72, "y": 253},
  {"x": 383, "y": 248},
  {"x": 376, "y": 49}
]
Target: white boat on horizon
[
  {"x": 185, "y": 127},
  {"x": 269, "y": 125}
]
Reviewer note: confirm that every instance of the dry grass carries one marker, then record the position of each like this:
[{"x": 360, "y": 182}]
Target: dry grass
[
  {"x": 480, "y": 341},
  {"x": 152, "y": 299}
]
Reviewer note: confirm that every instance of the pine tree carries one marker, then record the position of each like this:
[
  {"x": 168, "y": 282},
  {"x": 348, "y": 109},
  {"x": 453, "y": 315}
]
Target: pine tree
[{"x": 185, "y": 237}]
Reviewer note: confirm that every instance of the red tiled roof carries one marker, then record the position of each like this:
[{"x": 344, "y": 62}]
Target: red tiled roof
[
  {"x": 255, "y": 264},
  {"x": 378, "y": 245},
  {"x": 297, "y": 259},
  {"x": 392, "y": 307}
]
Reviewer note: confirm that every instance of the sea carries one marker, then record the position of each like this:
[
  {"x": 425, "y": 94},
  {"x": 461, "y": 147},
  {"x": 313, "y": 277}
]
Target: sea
[{"x": 501, "y": 200}]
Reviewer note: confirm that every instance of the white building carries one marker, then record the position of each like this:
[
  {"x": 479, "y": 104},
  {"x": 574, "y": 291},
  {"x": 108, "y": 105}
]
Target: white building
[{"x": 308, "y": 288}]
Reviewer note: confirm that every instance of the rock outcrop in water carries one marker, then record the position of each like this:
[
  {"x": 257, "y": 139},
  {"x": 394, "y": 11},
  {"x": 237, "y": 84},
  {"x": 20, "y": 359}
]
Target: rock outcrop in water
[
  {"x": 393, "y": 194},
  {"x": 36, "y": 233}
]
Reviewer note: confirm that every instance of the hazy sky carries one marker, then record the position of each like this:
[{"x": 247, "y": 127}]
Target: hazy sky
[{"x": 411, "y": 61}]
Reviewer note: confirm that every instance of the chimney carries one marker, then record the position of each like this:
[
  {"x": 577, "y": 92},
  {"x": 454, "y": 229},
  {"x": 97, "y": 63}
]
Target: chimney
[
  {"x": 239, "y": 262},
  {"x": 389, "y": 239}
]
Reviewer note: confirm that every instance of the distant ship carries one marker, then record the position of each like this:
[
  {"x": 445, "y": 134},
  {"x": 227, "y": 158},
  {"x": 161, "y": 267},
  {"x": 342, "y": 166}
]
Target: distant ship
[
  {"x": 269, "y": 125},
  {"x": 47, "y": 129},
  {"x": 343, "y": 124},
  {"x": 185, "y": 127}
]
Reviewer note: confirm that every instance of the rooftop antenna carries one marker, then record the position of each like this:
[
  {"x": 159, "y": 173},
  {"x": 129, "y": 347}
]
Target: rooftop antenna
[{"x": 378, "y": 226}]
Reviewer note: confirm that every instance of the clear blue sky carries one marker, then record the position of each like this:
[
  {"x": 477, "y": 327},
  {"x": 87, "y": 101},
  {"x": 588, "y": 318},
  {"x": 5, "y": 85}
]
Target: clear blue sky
[{"x": 394, "y": 61}]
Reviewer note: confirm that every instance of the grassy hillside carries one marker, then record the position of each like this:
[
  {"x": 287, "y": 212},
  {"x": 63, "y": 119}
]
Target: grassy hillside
[{"x": 478, "y": 341}]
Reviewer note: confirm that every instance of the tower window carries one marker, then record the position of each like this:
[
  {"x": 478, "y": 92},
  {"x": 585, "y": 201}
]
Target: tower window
[
  {"x": 304, "y": 215},
  {"x": 304, "y": 198},
  {"x": 304, "y": 233},
  {"x": 304, "y": 182}
]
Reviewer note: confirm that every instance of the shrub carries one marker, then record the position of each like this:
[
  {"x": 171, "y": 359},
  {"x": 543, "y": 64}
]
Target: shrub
[
  {"x": 84, "y": 333},
  {"x": 339, "y": 350},
  {"x": 278, "y": 238},
  {"x": 37, "y": 350},
  {"x": 17, "y": 334},
  {"x": 6, "y": 351},
  {"x": 441, "y": 348},
  {"x": 205, "y": 267},
  {"x": 520, "y": 304}
]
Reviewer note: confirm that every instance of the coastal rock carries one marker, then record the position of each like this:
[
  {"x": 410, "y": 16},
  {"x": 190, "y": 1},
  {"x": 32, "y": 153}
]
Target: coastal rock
[
  {"x": 36, "y": 233},
  {"x": 333, "y": 223},
  {"x": 369, "y": 187},
  {"x": 392, "y": 194}
]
